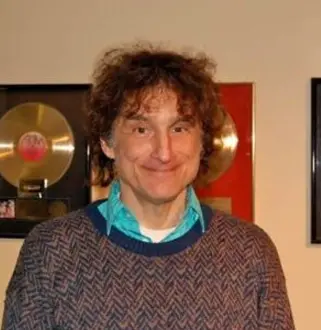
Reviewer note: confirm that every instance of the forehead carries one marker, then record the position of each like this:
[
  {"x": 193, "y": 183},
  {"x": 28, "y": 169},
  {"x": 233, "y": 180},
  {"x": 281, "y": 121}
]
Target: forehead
[
  {"x": 156, "y": 99},
  {"x": 160, "y": 101}
]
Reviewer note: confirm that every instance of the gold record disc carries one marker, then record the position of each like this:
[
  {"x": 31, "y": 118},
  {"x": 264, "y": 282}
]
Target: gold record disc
[
  {"x": 224, "y": 154},
  {"x": 36, "y": 143}
]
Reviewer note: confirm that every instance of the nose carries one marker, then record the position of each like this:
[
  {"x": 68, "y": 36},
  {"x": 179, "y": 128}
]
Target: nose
[{"x": 162, "y": 148}]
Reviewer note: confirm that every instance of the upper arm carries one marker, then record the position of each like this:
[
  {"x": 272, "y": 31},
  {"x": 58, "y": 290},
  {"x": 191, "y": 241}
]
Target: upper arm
[
  {"x": 273, "y": 301},
  {"x": 27, "y": 302}
]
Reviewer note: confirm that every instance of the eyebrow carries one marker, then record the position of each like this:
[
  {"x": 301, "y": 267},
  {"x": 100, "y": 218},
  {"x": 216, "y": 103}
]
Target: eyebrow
[
  {"x": 135, "y": 116},
  {"x": 186, "y": 118},
  {"x": 139, "y": 117}
]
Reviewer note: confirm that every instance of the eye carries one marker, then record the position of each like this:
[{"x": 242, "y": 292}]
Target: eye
[
  {"x": 140, "y": 130},
  {"x": 180, "y": 129}
]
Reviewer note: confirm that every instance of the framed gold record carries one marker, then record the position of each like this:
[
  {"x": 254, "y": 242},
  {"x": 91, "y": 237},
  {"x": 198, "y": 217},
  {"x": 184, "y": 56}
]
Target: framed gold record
[
  {"x": 36, "y": 142},
  {"x": 42, "y": 140},
  {"x": 228, "y": 185}
]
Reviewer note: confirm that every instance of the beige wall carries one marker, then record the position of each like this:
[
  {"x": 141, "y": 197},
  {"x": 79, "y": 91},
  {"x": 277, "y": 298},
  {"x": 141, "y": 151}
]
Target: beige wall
[{"x": 274, "y": 43}]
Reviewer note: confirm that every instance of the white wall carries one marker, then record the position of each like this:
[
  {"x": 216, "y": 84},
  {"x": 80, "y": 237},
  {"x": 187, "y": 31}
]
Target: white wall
[{"x": 274, "y": 43}]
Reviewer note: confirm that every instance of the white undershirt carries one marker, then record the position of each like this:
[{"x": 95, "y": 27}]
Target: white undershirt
[{"x": 156, "y": 235}]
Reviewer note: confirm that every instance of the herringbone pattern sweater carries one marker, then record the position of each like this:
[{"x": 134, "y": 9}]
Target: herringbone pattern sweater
[{"x": 70, "y": 275}]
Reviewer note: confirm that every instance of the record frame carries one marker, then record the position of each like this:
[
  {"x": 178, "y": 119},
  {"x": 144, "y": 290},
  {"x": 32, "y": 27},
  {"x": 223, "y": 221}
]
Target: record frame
[
  {"x": 233, "y": 191},
  {"x": 315, "y": 230},
  {"x": 73, "y": 188}
]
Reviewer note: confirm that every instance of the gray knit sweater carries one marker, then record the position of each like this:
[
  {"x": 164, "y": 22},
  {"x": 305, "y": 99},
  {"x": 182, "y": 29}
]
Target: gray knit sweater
[{"x": 70, "y": 275}]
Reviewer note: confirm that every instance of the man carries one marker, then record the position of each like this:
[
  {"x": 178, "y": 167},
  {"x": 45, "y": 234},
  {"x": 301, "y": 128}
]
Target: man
[{"x": 150, "y": 256}]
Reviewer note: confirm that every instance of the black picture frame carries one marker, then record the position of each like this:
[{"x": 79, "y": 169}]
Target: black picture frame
[
  {"x": 316, "y": 160},
  {"x": 73, "y": 187}
]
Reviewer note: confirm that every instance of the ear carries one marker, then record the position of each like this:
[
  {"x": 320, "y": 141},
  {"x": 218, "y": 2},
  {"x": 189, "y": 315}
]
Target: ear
[{"x": 107, "y": 149}]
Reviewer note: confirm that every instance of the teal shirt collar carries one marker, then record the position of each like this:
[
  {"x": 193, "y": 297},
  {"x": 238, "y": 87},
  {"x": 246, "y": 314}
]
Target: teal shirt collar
[{"x": 117, "y": 214}]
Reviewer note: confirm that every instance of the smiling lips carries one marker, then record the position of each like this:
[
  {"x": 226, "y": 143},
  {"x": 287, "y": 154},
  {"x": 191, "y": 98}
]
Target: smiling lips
[{"x": 162, "y": 170}]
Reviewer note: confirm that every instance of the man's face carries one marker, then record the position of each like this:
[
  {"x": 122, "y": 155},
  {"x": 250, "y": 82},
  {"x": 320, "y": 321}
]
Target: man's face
[{"x": 157, "y": 150}]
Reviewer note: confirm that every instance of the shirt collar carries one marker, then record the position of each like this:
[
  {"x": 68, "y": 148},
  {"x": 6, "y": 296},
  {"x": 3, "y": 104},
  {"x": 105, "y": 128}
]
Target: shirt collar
[{"x": 115, "y": 207}]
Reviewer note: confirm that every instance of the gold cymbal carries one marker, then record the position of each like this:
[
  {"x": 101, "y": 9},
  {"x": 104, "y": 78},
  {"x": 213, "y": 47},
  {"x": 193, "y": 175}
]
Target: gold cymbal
[
  {"x": 36, "y": 142},
  {"x": 225, "y": 150}
]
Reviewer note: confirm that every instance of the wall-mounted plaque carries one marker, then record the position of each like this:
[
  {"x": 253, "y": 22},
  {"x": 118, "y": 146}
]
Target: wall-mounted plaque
[
  {"x": 43, "y": 154},
  {"x": 229, "y": 183}
]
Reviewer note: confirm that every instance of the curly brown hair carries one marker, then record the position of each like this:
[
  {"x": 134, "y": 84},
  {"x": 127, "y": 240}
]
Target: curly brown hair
[{"x": 130, "y": 73}]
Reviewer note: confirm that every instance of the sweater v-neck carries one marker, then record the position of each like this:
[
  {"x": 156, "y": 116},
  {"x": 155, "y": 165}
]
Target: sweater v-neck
[{"x": 147, "y": 248}]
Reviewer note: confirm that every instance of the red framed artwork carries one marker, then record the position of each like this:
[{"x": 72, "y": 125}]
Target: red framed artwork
[{"x": 230, "y": 186}]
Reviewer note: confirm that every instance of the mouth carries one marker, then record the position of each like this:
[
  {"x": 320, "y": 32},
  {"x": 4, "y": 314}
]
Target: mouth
[{"x": 162, "y": 170}]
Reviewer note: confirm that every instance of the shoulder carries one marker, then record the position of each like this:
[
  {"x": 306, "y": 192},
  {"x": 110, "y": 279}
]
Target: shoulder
[
  {"x": 73, "y": 222},
  {"x": 244, "y": 237},
  {"x": 51, "y": 239}
]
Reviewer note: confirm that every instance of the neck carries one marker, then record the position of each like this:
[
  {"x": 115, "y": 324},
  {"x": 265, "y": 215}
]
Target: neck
[{"x": 151, "y": 215}]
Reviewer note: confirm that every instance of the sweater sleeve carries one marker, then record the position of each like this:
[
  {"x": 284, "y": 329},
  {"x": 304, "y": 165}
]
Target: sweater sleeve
[
  {"x": 274, "y": 305},
  {"x": 27, "y": 303}
]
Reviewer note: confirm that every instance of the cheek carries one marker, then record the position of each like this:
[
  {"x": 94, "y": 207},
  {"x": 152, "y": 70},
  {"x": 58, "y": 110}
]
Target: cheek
[
  {"x": 131, "y": 152},
  {"x": 190, "y": 148}
]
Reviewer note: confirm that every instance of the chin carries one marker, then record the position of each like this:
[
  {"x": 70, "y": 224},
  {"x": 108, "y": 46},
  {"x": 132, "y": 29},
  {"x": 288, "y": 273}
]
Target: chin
[
  {"x": 160, "y": 199},
  {"x": 163, "y": 193}
]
